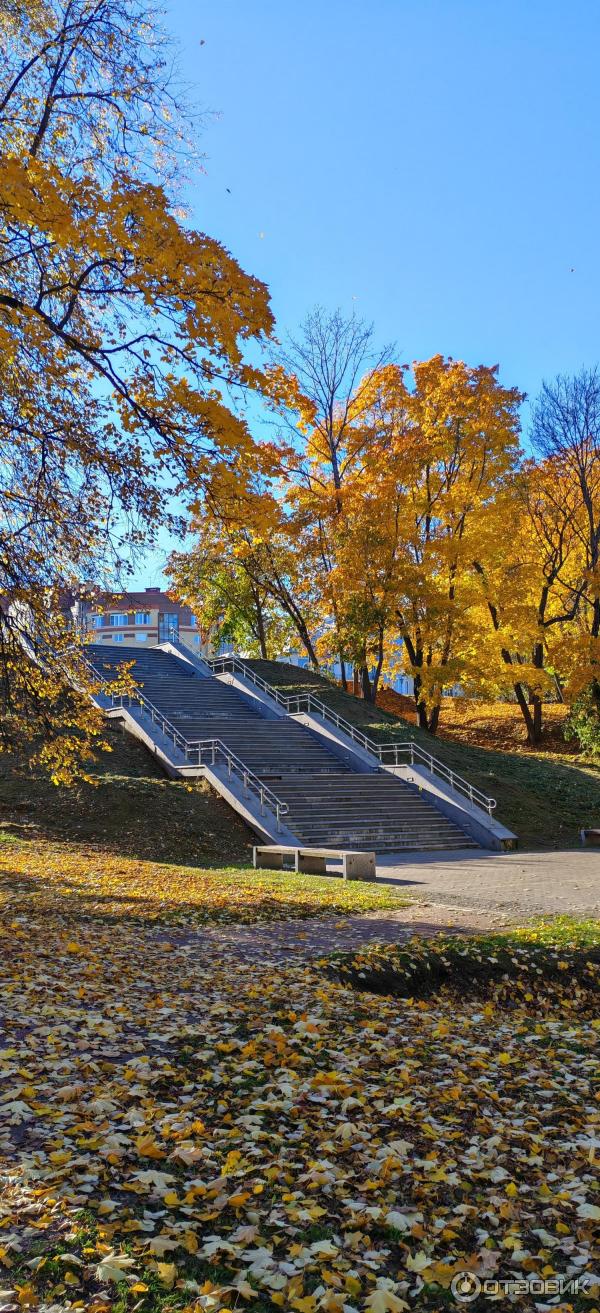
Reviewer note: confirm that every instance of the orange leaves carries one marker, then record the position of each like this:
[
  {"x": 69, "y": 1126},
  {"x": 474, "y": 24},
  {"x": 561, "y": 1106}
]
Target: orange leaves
[{"x": 148, "y": 1147}]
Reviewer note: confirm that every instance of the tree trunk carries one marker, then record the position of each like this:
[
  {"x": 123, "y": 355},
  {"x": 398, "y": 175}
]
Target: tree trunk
[
  {"x": 525, "y": 709},
  {"x": 378, "y": 667},
  {"x": 422, "y": 716},
  {"x": 507, "y": 658},
  {"x": 421, "y": 709},
  {"x": 366, "y": 685},
  {"x": 434, "y": 719},
  {"x": 536, "y": 702},
  {"x": 260, "y": 626},
  {"x": 343, "y": 676},
  {"x": 306, "y": 643},
  {"x": 312, "y": 656},
  {"x": 537, "y": 705},
  {"x": 416, "y": 660}
]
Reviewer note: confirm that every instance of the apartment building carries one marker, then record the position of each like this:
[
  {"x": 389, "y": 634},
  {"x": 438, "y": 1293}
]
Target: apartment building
[{"x": 148, "y": 617}]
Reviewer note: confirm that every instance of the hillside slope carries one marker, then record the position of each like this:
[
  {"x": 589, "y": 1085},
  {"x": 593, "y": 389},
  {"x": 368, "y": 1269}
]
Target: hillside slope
[
  {"x": 545, "y": 800},
  {"x": 131, "y": 808}
]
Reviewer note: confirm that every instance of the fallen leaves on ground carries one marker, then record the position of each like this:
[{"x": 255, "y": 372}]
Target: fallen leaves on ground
[
  {"x": 500, "y": 726},
  {"x": 64, "y": 878},
  {"x": 183, "y": 1130},
  {"x": 516, "y": 966}
]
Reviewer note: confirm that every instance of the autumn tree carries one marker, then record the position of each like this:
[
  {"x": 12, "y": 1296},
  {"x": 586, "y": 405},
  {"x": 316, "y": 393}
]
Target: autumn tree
[
  {"x": 566, "y": 430},
  {"x": 367, "y": 536},
  {"x": 370, "y": 537},
  {"x": 531, "y": 571},
  {"x": 454, "y": 447},
  {"x": 242, "y": 524},
  {"x": 121, "y": 328},
  {"x": 324, "y": 380},
  {"x": 394, "y": 477},
  {"x": 542, "y": 589},
  {"x": 221, "y": 579}
]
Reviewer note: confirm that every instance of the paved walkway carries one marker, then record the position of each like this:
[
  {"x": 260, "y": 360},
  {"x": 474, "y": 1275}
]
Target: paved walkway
[
  {"x": 518, "y": 885},
  {"x": 454, "y": 893}
]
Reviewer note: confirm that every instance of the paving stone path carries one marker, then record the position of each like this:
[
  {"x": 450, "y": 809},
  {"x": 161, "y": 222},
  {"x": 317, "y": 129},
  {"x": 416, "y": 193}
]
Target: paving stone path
[
  {"x": 517, "y": 884},
  {"x": 469, "y": 894}
]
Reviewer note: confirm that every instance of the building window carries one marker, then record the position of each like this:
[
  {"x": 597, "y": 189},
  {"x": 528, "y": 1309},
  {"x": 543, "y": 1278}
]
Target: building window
[
  {"x": 118, "y": 638},
  {"x": 168, "y": 628},
  {"x": 96, "y": 622},
  {"x": 142, "y": 617},
  {"x": 118, "y": 618},
  {"x": 193, "y": 623},
  {"x": 141, "y": 638}
]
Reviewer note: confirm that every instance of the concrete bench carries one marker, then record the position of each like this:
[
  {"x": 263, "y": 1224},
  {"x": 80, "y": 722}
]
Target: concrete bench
[
  {"x": 313, "y": 861},
  {"x": 590, "y": 838}
]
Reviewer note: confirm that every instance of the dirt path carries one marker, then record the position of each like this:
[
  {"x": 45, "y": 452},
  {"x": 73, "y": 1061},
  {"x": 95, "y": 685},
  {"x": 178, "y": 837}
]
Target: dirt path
[{"x": 279, "y": 941}]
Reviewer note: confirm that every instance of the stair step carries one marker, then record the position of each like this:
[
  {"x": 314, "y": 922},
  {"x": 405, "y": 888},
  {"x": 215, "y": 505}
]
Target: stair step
[{"x": 329, "y": 802}]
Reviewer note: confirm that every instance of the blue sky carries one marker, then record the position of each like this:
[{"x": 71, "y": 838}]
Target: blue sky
[{"x": 434, "y": 165}]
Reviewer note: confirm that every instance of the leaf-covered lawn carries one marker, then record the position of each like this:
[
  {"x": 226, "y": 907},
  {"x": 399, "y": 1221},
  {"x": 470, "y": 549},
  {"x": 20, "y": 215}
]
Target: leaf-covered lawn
[
  {"x": 183, "y": 1130},
  {"x": 42, "y": 875},
  {"x": 511, "y": 967}
]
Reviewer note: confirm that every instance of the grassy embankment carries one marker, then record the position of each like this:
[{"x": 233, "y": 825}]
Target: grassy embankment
[{"x": 134, "y": 843}]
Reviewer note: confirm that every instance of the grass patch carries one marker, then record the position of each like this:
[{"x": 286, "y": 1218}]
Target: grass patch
[
  {"x": 131, "y": 809},
  {"x": 559, "y": 961},
  {"x": 545, "y": 800},
  {"x": 45, "y": 876}
]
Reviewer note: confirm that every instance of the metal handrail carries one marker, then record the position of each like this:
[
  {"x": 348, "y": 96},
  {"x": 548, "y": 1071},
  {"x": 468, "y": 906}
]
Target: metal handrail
[
  {"x": 295, "y": 703},
  {"x": 198, "y": 747}
]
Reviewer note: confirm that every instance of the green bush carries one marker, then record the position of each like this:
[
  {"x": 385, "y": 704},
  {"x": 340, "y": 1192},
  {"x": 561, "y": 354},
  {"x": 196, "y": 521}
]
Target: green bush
[{"x": 583, "y": 723}]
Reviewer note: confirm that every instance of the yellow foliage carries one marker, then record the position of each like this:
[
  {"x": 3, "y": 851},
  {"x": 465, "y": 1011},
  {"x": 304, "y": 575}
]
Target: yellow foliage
[{"x": 120, "y": 328}]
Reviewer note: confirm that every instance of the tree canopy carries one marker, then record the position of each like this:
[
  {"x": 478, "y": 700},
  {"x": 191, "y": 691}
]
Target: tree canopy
[
  {"x": 121, "y": 326},
  {"x": 402, "y": 527}
]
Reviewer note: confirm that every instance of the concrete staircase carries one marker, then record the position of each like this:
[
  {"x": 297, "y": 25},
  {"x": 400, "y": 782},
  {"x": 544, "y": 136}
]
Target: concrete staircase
[
  {"x": 332, "y": 799},
  {"x": 201, "y": 707},
  {"x": 375, "y": 811}
]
